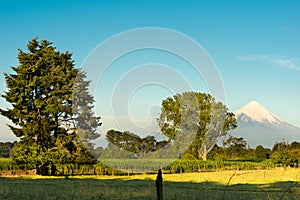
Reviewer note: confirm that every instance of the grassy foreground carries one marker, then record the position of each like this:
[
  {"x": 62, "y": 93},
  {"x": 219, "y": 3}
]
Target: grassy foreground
[{"x": 255, "y": 184}]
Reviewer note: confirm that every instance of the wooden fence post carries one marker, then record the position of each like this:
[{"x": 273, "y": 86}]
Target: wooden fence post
[{"x": 159, "y": 185}]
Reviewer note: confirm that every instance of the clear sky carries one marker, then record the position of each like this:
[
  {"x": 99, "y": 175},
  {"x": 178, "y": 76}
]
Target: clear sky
[{"x": 254, "y": 44}]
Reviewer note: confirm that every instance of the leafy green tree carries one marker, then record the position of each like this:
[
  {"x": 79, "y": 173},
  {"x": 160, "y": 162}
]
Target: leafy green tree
[
  {"x": 236, "y": 147},
  {"x": 196, "y": 115},
  {"x": 124, "y": 140},
  {"x": 41, "y": 96},
  {"x": 280, "y": 146},
  {"x": 295, "y": 145},
  {"x": 217, "y": 153},
  {"x": 237, "y": 142},
  {"x": 131, "y": 142},
  {"x": 261, "y": 153},
  {"x": 285, "y": 153}
]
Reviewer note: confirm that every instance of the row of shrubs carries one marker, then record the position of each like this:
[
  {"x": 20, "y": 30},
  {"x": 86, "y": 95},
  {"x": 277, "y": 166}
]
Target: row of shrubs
[
  {"x": 200, "y": 166},
  {"x": 7, "y": 164},
  {"x": 181, "y": 165}
]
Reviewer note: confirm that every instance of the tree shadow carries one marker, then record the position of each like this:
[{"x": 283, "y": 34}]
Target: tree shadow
[{"x": 111, "y": 188}]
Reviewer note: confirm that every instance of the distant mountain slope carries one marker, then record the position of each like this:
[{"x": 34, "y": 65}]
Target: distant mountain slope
[{"x": 259, "y": 126}]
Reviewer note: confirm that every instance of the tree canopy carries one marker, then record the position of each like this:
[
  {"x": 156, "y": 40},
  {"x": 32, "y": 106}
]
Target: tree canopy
[
  {"x": 285, "y": 153},
  {"x": 196, "y": 115},
  {"x": 50, "y": 107},
  {"x": 131, "y": 142}
]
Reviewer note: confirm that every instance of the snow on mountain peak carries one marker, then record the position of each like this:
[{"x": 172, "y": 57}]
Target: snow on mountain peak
[{"x": 257, "y": 112}]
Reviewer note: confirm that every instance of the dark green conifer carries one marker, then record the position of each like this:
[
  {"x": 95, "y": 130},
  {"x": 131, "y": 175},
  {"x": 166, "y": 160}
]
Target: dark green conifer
[{"x": 51, "y": 108}]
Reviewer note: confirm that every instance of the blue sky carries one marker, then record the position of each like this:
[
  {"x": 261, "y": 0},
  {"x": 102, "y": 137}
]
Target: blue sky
[{"x": 255, "y": 45}]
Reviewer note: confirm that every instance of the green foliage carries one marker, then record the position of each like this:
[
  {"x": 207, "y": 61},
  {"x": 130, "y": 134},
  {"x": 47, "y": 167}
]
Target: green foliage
[
  {"x": 199, "y": 113},
  {"x": 285, "y": 153},
  {"x": 200, "y": 165},
  {"x": 46, "y": 118},
  {"x": 6, "y": 163},
  {"x": 235, "y": 147},
  {"x": 86, "y": 123},
  {"x": 261, "y": 153},
  {"x": 5, "y": 148},
  {"x": 131, "y": 142}
]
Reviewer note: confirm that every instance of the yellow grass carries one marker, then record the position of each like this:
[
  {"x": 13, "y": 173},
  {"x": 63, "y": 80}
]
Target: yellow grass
[
  {"x": 238, "y": 177},
  {"x": 222, "y": 177},
  {"x": 252, "y": 184}
]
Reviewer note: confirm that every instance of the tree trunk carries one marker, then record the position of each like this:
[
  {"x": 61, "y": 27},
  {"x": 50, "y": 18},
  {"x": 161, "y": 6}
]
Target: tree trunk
[
  {"x": 203, "y": 153},
  {"x": 56, "y": 126},
  {"x": 204, "y": 158},
  {"x": 53, "y": 170},
  {"x": 43, "y": 170},
  {"x": 38, "y": 170}
]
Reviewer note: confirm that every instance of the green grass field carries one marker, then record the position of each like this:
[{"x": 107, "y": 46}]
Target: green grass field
[{"x": 254, "y": 184}]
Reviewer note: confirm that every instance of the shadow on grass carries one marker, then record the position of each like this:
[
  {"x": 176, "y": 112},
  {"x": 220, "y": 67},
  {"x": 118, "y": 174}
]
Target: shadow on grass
[{"x": 88, "y": 188}]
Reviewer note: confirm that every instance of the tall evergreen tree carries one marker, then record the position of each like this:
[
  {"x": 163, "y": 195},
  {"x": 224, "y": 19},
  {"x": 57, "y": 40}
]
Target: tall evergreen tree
[
  {"x": 86, "y": 123},
  {"x": 46, "y": 117}
]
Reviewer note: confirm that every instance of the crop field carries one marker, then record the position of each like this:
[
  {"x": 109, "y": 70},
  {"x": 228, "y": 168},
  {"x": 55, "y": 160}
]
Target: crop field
[{"x": 243, "y": 184}]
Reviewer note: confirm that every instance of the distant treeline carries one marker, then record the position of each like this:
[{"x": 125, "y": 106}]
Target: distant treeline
[
  {"x": 236, "y": 149},
  {"x": 233, "y": 149}
]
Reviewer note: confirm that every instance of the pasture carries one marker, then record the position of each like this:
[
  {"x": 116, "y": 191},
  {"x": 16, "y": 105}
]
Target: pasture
[{"x": 280, "y": 183}]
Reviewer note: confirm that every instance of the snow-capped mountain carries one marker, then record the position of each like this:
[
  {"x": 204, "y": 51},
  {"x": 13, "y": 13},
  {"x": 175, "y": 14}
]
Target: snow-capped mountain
[
  {"x": 256, "y": 112},
  {"x": 259, "y": 126}
]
